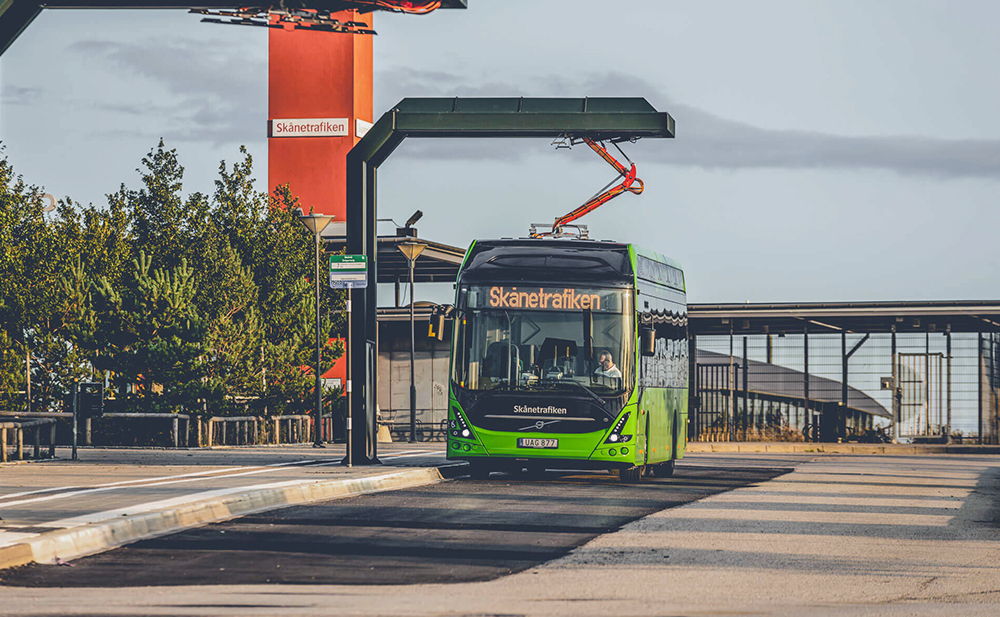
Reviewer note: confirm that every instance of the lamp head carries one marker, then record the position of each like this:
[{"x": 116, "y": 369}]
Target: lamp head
[
  {"x": 410, "y": 222},
  {"x": 315, "y": 223}
]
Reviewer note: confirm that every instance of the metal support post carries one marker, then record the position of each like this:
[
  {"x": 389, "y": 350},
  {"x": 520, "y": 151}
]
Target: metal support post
[
  {"x": 843, "y": 384},
  {"x": 413, "y": 385},
  {"x": 27, "y": 376},
  {"x": 810, "y": 415},
  {"x": 347, "y": 352},
  {"x": 746, "y": 393},
  {"x": 927, "y": 383},
  {"x": 947, "y": 334},
  {"x": 895, "y": 390},
  {"x": 979, "y": 380},
  {"x": 76, "y": 398},
  {"x": 731, "y": 428},
  {"x": 412, "y": 250},
  {"x": 694, "y": 402},
  {"x": 318, "y": 419},
  {"x": 361, "y": 240}
]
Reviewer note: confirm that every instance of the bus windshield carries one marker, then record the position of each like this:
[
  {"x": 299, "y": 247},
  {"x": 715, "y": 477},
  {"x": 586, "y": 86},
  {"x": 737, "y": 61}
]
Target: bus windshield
[{"x": 529, "y": 338}]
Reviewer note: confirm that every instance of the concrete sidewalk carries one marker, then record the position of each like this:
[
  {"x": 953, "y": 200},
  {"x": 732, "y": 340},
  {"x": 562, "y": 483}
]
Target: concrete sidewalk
[
  {"x": 60, "y": 510},
  {"x": 800, "y": 447}
]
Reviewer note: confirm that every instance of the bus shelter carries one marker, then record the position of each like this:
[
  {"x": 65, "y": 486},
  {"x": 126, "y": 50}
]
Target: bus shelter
[{"x": 868, "y": 371}]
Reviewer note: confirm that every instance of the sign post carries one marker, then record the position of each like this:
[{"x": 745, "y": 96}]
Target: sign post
[{"x": 348, "y": 272}]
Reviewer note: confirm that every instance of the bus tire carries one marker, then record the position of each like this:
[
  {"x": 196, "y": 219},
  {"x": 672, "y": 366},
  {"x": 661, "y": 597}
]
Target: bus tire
[
  {"x": 479, "y": 471},
  {"x": 664, "y": 470},
  {"x": 630, "y": 475}
]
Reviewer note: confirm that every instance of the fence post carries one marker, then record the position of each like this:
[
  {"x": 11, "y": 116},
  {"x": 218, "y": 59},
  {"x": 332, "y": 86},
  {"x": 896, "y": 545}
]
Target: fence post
[
  {"x": 980, "y": 370},
  {"x": 947, "y": 334}
]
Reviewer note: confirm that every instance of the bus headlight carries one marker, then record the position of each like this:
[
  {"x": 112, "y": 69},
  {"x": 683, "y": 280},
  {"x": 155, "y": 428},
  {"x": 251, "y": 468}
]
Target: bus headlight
[
  {"x": 459, "y": 427},
  {"x": 615, "y": 436}
]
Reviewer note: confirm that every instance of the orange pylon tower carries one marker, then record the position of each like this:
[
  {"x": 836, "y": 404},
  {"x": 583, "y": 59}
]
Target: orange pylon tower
[{"x": 313, "y": 77}]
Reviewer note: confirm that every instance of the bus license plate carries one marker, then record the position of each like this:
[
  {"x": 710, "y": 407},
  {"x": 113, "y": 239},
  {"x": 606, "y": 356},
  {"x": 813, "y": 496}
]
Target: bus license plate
[{"x": 531, "y": 442}]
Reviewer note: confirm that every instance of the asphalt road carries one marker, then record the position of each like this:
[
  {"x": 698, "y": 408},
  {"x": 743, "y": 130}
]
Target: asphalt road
[{"x": 462, "y": 530}]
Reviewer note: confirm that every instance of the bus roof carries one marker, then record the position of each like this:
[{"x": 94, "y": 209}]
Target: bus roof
[
  {"x": 656, "y": 256},
  {"x": 579, "y": 260},
  {"x": 548, "y": 260}
]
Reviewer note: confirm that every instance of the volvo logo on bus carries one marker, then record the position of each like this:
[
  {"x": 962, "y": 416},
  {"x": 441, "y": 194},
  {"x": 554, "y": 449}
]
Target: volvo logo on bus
[{"x": 566, "y": 299}]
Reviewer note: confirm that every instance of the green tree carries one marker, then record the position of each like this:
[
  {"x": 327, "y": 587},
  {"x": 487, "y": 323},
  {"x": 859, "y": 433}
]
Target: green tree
[
  {"x": 28, "y": 276},
  {"x": 151, "y": 336}
]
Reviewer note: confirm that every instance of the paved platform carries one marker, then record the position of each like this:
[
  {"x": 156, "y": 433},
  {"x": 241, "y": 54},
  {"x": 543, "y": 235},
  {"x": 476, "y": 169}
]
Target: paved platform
[
  {"x": 150, "y": 492},
  {"x": 879, "y": 535}
]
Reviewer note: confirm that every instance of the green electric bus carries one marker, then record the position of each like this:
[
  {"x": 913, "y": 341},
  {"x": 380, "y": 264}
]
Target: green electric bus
[{"x": 568, "y": 354}]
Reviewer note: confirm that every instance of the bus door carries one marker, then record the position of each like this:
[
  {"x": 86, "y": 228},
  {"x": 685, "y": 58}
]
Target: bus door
[{"x": 641, "y": 433}]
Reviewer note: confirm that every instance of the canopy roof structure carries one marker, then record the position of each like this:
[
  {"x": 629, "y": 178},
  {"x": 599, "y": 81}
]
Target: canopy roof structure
[
  {"x": 604, "y": 118},
  {"x": 831, "y": 317}
]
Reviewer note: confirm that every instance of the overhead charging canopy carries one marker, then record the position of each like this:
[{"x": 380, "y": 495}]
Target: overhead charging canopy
[{"x": 600, "y": 119}]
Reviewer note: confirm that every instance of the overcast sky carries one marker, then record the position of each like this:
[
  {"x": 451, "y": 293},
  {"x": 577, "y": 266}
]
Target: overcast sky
[{"x": 825, "y": 151}]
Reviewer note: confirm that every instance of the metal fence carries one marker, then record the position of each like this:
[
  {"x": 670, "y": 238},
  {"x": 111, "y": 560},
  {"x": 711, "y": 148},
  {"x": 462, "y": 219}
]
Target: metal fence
[{"x": 912, "y": 387}]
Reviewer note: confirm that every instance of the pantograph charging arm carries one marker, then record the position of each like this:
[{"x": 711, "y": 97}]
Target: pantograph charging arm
[{"x": 630, "y": 183}]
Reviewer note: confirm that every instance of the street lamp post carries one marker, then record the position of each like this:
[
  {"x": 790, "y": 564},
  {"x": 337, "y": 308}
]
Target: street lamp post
[
  {"x": 316, "y": 223},
  {"x": 412, "y": 250}
]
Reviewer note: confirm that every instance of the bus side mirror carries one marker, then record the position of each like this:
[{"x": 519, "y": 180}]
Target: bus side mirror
[
  {"x": 647, "y": 340},
  {"x": 435, "y": 327}
]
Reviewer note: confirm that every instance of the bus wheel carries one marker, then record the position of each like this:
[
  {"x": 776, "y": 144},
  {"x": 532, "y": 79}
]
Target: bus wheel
[
  {"x": 479, "y": 471},
  {"x": 630, "y": 475},
  {"x": 664, "y": 470}
]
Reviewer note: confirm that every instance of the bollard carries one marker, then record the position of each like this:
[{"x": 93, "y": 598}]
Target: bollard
[
  {"x": 19, "y": 435},
  {"x": 174, "y": 430},
  {"x": 37, "y": 454},
  {"x": 3, "y": 445},
  {"x": 52, "y": 440}
]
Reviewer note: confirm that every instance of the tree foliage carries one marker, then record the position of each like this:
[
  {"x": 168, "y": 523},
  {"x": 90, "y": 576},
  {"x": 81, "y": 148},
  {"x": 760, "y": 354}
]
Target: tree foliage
[{"x": 196, "y": 303}]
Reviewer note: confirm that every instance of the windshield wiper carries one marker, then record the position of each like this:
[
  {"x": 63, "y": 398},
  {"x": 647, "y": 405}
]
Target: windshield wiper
[{"x": 592, "y": 394}]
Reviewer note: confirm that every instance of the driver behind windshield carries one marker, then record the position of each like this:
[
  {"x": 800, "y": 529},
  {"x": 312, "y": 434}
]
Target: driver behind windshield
[{"x": 607, "y": 366}]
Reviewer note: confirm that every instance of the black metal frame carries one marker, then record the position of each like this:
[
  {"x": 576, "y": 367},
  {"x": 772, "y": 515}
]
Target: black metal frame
[
  {"x": 598, "y": 118},
  {"x": 20, "y": 13}
]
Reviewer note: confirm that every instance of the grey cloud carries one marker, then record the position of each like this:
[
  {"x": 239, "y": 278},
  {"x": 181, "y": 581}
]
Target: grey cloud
[
  {"x": 703, "y": 139},
  {"x": 215, "y": 92},
  {"x": 20, "y": 95}
]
